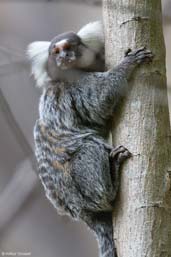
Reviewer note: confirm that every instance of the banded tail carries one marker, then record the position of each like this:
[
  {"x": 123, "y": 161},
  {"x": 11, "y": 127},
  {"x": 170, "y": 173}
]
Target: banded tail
[{"x": 102, "y": 225}]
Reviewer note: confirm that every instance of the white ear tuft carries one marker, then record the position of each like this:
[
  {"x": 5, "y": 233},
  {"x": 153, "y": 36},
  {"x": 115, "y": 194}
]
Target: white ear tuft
[
  {"x": 37, "y": 53},
  {"x": 92, "y": 35}
]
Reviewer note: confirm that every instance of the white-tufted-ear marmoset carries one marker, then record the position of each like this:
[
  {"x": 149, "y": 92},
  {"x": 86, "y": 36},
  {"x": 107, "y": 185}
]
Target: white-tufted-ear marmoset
[{"x": 78, "y": 169}]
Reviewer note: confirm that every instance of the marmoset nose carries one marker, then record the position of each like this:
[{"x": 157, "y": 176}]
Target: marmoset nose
[{"x": 63, "y": 55}]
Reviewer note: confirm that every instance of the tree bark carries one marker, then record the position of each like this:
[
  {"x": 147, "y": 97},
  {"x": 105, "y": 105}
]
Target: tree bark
[{"x": 142, "y": 214}]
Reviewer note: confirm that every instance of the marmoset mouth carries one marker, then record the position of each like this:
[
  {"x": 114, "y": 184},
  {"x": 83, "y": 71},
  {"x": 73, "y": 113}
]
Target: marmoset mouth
[
  {"x": 65, "y": 63},
  {"x": 60, "y": 62}
]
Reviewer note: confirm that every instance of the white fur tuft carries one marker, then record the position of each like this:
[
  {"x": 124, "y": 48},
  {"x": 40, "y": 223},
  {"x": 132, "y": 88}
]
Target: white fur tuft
[
  {"x": 92, "y": 35},
  {"x": 37, "y": 53}
]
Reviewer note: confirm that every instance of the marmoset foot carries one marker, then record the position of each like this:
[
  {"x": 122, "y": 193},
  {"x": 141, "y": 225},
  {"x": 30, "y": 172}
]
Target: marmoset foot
[{"x": 120, "y": 154}]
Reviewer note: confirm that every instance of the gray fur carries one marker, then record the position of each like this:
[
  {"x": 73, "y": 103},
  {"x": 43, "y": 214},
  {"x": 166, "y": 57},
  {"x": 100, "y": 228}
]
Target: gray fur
[{"x": 79, "y": 171}]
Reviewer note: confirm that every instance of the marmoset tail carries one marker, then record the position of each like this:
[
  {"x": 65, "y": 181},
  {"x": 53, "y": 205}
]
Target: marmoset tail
[{"x": 78, "y": 169}]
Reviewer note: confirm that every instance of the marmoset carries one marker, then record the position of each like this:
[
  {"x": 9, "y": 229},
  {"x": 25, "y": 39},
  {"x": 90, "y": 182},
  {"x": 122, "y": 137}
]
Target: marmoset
[{"x": 78, "y": 169}]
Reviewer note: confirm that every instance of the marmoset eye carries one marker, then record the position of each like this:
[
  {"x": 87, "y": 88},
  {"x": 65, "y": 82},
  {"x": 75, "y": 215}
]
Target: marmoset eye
[{"x": 67, "y": 47}]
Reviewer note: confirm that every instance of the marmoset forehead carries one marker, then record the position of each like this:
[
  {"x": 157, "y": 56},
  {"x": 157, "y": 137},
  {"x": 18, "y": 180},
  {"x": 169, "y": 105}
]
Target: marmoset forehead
[
  {"x": 61, "y": 42},
  {"x": 69, "y": 37}
]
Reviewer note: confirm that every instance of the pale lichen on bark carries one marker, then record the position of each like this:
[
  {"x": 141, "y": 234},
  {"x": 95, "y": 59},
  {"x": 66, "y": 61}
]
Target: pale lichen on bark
[{"x": 142, "y": 214}]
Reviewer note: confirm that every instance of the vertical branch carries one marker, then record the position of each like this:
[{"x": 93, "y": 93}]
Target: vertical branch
[{"x": 142, "y": 214}]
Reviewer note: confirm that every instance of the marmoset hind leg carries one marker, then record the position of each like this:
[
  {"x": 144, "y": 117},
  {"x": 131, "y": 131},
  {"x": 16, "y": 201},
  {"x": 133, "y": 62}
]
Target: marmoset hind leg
[
  {"x": 116, "y": 157},
  {"x": 98, "y": 182},
  {"x": 98, "y": 179}
]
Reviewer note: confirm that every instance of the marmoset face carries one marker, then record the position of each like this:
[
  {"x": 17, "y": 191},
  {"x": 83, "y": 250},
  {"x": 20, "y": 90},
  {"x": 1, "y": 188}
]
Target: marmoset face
[{"x": 65, "y": 50}]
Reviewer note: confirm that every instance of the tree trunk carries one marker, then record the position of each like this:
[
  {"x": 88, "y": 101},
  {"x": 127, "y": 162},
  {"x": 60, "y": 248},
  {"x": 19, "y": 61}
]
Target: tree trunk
[{"x": 142, "y": 214}]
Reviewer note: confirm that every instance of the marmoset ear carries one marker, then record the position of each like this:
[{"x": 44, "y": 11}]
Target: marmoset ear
[
  {"x": 37, "y": 53},
  {"x": 92, "y": 35}
]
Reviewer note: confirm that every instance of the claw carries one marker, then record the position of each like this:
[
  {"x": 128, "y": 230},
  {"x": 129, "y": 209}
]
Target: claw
[
  {"x": 120, "y": 153},
  {"x": 140, "y": 55},
  {"x": 127, "y": 52}
]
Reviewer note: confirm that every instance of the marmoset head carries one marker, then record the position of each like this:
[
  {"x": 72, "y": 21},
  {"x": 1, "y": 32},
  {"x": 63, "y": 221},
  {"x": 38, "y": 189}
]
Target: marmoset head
[
  {"x": 67, "y": 51},
  {"x": 68, "y": 54}
]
